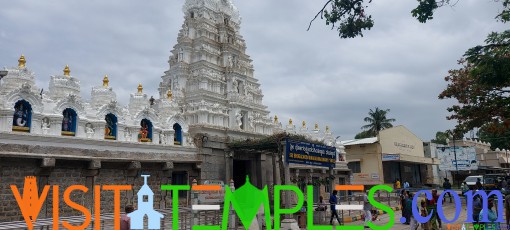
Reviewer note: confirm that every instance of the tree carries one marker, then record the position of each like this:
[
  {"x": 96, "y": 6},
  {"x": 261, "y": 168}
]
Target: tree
[
  {"x": 482, "y": 86},
  {"x": 377, "y": 121},
  {"x": 350, "y": 18},
  {"x": 497, "y": 140},
  {"x": 363, "y": 134},
  {"x": 441, "y": 138}
]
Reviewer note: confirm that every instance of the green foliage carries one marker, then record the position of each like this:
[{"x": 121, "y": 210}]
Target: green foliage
[
  {"x": 496, "y": 134},
  {"x": 441, "y": 138},
  {"x": 364, "y": 134},
  {"x": 377, "y": 121},
  {"x": 350, "y": 19},
  {"x": 481, "y": 85},
  {"x": 347, "y": 16}
]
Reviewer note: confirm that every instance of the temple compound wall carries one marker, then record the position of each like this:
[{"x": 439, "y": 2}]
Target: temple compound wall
[{"x": 70, "y": 161}]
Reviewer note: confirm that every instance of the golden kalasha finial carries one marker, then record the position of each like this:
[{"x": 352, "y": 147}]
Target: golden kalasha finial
[
  {"x": 327, "y": 129},
  {"x": 169, "y": 95},
  {"x": 316, "y": 126},
  {"x": 140, "y": 88},
  {"x": 275, "y": 119},
  {"x": 304, "y": 124},
  {"x": 22, "y": 61},
  {"x": 67, "y": 71},
  {"x": 105, "y": 81},
  {"x": 290, "y": 121}
]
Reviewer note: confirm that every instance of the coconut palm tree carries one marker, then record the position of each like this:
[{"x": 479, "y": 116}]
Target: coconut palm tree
[{"x": 377, "y": 121}]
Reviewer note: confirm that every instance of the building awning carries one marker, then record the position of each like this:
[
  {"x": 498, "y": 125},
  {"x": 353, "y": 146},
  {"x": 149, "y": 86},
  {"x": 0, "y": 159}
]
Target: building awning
[{"x": 411, "y": 159}]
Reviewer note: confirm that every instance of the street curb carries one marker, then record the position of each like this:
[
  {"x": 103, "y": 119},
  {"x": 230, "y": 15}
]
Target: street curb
[{"x": 350, "y": 219}]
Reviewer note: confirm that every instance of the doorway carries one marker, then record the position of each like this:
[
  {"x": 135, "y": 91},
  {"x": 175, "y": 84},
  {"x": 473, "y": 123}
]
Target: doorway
[{"x": 242, "y": 168}]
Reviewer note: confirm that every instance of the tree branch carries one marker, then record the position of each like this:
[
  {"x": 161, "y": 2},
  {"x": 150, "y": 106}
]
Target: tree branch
[{"x": 319, "y": 13}]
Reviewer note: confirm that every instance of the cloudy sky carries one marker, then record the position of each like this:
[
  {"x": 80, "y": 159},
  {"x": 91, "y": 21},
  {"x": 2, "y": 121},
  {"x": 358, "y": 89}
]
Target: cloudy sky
[{"x": 306, "y": 75}]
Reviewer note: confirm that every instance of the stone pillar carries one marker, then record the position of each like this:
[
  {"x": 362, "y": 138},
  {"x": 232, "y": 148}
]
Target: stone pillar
[
  {"x": 229, "y": 162},
  {"x": 6, "y": 117},
  {"x": 184, "y": 139},
  {"x": 166, "y": 196},
  {"x": 232, "y": 216},
  {"x": 194, "y": 201}
]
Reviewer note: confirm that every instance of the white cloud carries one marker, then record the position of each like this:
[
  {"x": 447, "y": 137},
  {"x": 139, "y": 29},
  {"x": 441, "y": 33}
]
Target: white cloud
[{"x": 313, "y": 76}]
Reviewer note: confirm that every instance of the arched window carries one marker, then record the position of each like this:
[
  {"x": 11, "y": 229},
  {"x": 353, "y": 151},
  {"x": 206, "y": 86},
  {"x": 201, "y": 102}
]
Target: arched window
[
  {"x": 22, "y": 118},
  {"x": 69, "y": 122},
  {"x": 145, "y": 133},
  {"x": 110, "y": 129},
  {"x": 178, "y": 134}
]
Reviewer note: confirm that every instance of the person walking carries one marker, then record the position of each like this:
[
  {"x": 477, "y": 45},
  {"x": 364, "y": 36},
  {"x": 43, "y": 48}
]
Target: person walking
[
  {"x": 409, "y": 207},
  {"x": 477, "y": 208},
  {"x": 125, "y": 221},
  {"x": 333, "y": 200},
  {"x": 507, "y": 209},
  {"x": 493, "y": 216},
  {"x": 464, "y": 187},
  {"x": 479, "y": 185},
  {"x": 447, "y": 186},
  {"x": 367, "y": 208}
]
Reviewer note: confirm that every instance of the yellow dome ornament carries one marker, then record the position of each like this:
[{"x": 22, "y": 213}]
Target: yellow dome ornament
[
  {"x": 105, "y": 81},
  {"x": 22, "y": 61},
  {"x": 140, "y": 88},
  {"x": 275, "y": 119},
  {"x": 304, "y": 124},
  {"x": 290, "y": 121},
  {"x": 67, "y": 71}
]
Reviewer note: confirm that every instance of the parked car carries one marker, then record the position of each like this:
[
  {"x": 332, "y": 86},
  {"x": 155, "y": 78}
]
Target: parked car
[{"x": 471, "y": 181}]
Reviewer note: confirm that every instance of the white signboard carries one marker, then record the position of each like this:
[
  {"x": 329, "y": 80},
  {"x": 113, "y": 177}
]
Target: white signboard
[
  {"x": 391, "y": 157},
  {"x": 466, "y": 158}
]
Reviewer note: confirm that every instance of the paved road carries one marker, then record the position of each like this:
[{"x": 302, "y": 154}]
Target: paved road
[{"x": 449, "y": 210}]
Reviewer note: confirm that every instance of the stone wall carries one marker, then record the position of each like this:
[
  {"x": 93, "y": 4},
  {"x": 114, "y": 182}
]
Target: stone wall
[{"x": 66, "y": 173}]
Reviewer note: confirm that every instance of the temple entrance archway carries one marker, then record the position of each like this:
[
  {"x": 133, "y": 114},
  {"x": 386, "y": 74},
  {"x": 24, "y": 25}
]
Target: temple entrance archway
[{"x": 241, "y": 169}]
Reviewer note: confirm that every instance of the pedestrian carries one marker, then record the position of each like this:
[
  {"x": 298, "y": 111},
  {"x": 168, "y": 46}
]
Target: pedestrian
[
  {"x": 504, "y": 183},
  {"x": 406, "y": 185},
  {"x": 409, "y": 206},
  {"x": 477, "y": 207},
  {"x": 367, "y": 208},
  {"x": 464, "y": 187},
  {"x": 447, "y": 186},
  {"x": 432, "y": 210},
  {"x": 321, "y": 206},
  {"x": 507, "y": 209},
  {"x": 333, "y": 200},
  {"x": 493, "y": 216},
  {"x": 402, "y": 198},
  {"x": 479, "y": 185},
  {"x": 125, "y": 221},
  {"x": 424, "y": 213}
]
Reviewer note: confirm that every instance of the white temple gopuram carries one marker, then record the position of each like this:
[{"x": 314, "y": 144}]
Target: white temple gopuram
[{"x": 208, "y": 97}]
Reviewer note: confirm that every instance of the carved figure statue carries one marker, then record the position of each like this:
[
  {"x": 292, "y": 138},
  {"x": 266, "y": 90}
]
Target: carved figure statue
[
  {"x": 186, "y": 30},
  {"x": 89, "y": 130},
  {"x": 67, "y": 122},
  {"x": 230, "y": 61},
  {"x": 20, "y": 116},
  {"x": 45, "y": 123},
  {"x": 235, "y": 86},
  {"x": 144, "y": 131},
  {"x": 108, "y": 130},
  {"x": 162, "y": 138},
  {"x": 127, "y": 134},
  {"x": 250, "y": 121},
  {"x": 239, "y": 119}
]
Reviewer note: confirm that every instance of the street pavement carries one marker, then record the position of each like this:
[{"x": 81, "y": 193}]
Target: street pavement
[{"x": 449, "y": 210}]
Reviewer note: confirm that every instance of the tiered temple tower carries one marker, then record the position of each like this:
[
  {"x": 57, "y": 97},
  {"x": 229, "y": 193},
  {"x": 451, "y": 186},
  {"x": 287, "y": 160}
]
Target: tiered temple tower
[{"x": 211, "y": 76}]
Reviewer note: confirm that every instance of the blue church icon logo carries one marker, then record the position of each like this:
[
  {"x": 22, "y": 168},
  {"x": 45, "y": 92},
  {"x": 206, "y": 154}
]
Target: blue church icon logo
[{"x": 145, "y": 208}]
